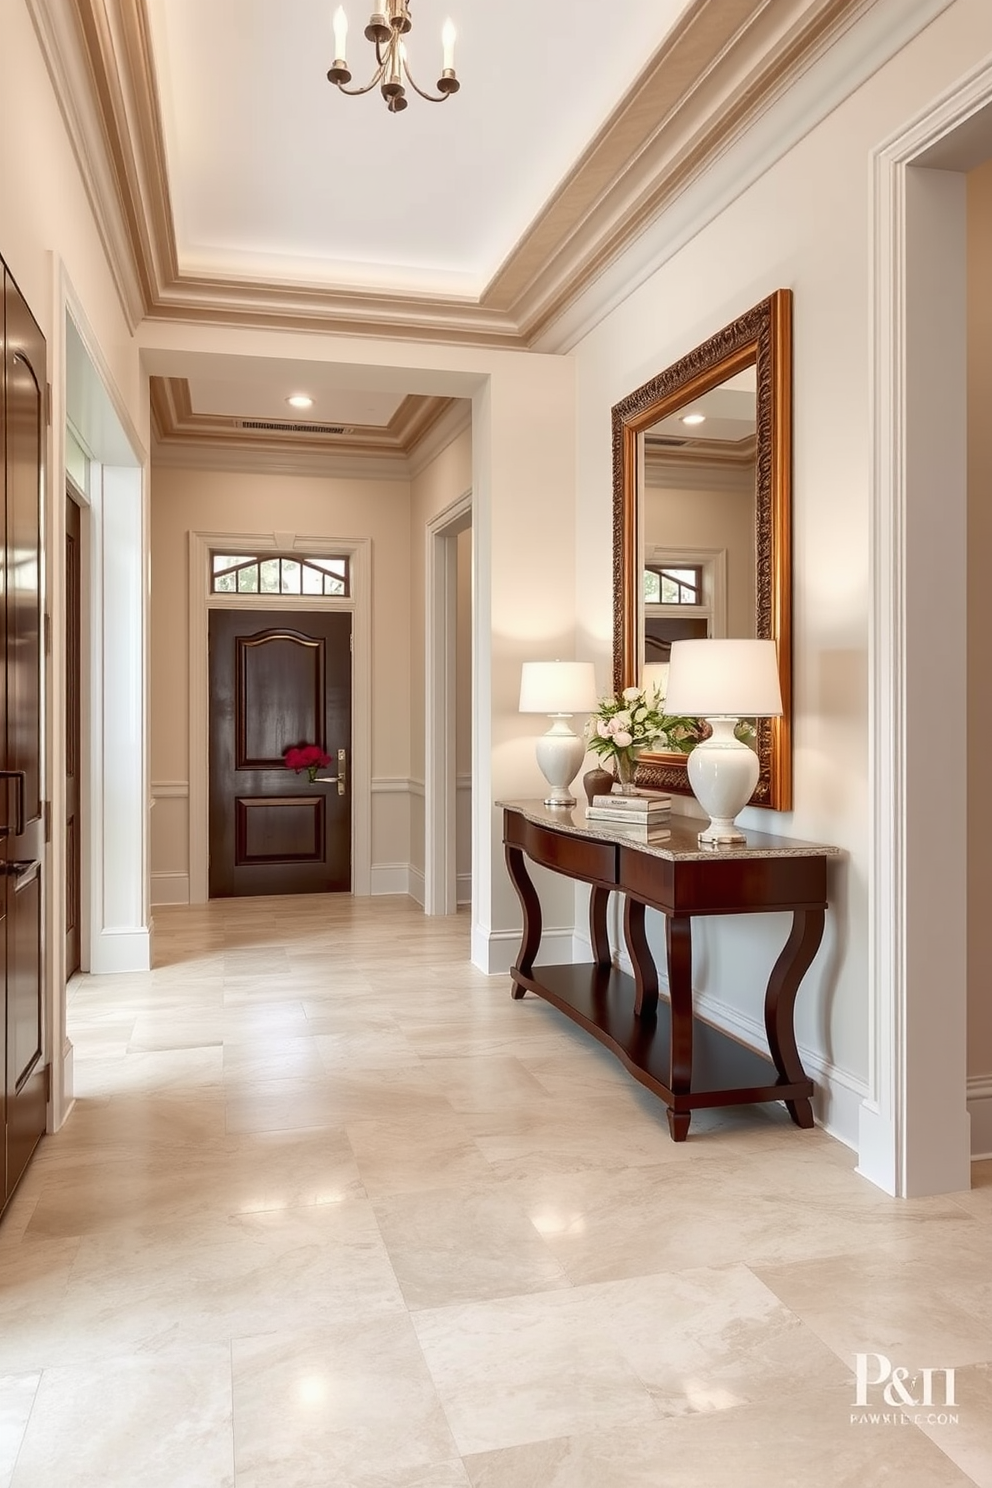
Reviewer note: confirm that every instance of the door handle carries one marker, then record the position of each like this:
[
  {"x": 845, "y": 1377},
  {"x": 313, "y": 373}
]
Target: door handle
[
  {"x": 341, "y": 778},
  {"x": 20, "y": 776}
]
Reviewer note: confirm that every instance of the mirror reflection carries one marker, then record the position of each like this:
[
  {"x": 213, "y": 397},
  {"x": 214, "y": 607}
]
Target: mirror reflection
[
  {"x": 699, "y": 519},
  {"x": 702, "y": 463}
]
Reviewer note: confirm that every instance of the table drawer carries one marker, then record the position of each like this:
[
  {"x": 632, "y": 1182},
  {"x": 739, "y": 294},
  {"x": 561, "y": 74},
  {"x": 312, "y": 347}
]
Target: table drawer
[{"x": 593, "y": 862}]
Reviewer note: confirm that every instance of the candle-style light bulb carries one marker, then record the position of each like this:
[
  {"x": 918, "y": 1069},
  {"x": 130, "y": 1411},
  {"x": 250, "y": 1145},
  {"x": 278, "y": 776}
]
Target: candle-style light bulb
[
  {"x": 448, "y": 41},
  {"x": 340, "y": 33}
]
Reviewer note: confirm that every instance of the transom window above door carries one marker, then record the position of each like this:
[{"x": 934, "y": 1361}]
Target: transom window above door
[
  {"x": 673, "y": 586},
  {"x": 262, "y": 573}
]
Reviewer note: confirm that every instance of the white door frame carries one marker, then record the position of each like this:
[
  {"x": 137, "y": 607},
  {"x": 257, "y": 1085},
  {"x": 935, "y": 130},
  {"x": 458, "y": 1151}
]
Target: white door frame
[
  {"x": 359, "y": 604},
  {"x": 914, "y": 1130},
  {"x": 440, "y": 780}
]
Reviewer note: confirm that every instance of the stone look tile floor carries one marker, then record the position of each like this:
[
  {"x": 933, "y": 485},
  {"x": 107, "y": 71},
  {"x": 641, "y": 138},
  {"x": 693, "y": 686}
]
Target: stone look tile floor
[{"x": 332, "y": 1211}]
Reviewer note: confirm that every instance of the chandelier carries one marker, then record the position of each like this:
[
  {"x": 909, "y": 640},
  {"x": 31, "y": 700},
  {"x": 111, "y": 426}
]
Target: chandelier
[{"x": 386, "y": 30}]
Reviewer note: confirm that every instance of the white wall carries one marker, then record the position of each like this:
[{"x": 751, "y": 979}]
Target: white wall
[
  {"x": 221, "y": 501},
  {"x": 463, "y": 718},
  {"x": 805, "y": 224}
]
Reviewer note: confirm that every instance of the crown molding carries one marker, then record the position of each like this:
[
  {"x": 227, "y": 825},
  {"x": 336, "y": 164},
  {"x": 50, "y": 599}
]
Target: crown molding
[
  {"x": 723, "y": 65},
  {"x": 182, "y": 435}
]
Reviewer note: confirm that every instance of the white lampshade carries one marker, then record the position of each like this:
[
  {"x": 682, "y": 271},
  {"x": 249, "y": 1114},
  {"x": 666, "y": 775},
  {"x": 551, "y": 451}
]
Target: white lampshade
[
  {"x": 732, "y": 678},
  {"x": 557, "y": 687}
]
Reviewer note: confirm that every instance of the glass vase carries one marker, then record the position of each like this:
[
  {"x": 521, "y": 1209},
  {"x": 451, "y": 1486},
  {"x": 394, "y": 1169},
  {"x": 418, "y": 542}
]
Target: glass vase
[{"x": 626, "y": 771}]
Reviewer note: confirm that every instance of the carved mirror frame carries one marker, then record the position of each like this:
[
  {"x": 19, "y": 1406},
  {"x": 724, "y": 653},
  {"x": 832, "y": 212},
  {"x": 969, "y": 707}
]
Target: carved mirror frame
[{"x": 762, "y": 338}]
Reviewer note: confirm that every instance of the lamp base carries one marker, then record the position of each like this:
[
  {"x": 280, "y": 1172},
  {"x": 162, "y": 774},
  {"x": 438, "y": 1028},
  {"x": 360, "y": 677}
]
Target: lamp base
[
  {"x": 559, "y": 754},
  {"x": 723, "y": 772}
]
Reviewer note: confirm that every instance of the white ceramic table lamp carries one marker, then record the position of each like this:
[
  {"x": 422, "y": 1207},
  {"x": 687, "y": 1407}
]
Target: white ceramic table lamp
[
  {"x": 558, "y": 688},
  {"x": 723, "y": 681}
]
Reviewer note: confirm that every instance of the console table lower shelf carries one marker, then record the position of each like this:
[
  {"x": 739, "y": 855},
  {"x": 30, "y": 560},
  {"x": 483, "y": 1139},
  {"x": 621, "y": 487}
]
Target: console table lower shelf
[
  {"x": 723, "y": 1072},
  {"x": 663, "y": 1042}
]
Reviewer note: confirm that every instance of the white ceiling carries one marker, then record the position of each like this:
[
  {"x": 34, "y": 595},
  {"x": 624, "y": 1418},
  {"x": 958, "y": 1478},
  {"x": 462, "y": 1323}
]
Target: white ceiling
[
  {"x": 273, "y": 173},
  {"x": 239, "y": 397}
]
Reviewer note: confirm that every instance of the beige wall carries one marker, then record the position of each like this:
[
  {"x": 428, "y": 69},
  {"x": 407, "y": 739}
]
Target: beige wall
[
  {"x": 219, "y": 501},
  {"x": 979, "y": 619},
  {"x": 805, "y": 224},
  {"x": 710, "y": 519}
]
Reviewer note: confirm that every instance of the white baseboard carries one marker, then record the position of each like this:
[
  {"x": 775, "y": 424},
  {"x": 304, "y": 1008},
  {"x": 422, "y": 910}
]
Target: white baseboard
[
  {"x": 391, "y": 878},
  {"x": 416, "y": 881},
  {"x": 119, "y": 951},
  {"x": 980, "y": 1111},
  {"x": 170, "y": 888},
  {"x": 839, "y": 1095},
  {"x": 463, "y": 889},
  {"x": 495, "y": 951}
]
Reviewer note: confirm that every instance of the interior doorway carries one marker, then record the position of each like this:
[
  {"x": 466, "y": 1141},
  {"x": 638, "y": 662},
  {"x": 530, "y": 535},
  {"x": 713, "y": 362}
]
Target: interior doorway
[
  {"x": 922, "y": 1112},
  {"x": 73, "y": 734},
  {"x": 449, "y": 709}
]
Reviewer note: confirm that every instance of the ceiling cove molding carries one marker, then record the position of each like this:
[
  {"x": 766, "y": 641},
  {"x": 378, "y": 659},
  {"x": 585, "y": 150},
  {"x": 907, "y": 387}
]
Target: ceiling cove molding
[
  {"x": 175, "y": 423},
  {"x": 723, "y": 65}
]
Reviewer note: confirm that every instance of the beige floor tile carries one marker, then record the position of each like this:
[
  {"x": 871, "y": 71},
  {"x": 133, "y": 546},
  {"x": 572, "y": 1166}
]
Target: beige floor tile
[
  {"x": 398, "y": 1157},
  {"x": 924, "y": 1301},
  {"x": 529, "y": 1368},
  {"x": 803, "y": 1440},
  {"x": 17, "y": 1395},
  {"x": 964, "y": 1433},
  {"x": 494, "y": 1084},
  {"x": 335, "y": 1406},
  {"x": 160, "y": 1423},
  {"x": 421, "y": 1212},
  {"x": 460, "y": 1244}
]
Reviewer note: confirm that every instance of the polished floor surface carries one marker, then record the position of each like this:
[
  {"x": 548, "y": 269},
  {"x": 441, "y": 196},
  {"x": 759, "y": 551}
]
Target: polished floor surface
[{"x": 332, "y": 1211}]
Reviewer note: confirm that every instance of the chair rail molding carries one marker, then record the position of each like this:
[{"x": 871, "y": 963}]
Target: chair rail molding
[{"x": 201, "y": 601}]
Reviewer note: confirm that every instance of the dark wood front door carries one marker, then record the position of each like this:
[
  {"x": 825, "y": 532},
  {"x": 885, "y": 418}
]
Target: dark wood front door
[
  {"x": 22, "y": 835},
  {"x": 72, "y": 736},
  {"x": 278, "y": 679}
]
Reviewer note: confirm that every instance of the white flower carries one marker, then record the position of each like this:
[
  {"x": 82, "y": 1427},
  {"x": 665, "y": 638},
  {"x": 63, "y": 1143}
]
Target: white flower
[
  {"x": 631, "y": 694},
  {"x": 622, "y": 720},
  {"x": 604, "y": 729},
  {"x": 622, "y": 739}
]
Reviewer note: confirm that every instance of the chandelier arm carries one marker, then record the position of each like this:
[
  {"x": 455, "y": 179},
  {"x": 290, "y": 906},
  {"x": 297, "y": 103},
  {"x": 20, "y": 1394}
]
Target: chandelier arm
[
  {"x": 430, "y": 97},
  {"x": 358, "y": 92}
]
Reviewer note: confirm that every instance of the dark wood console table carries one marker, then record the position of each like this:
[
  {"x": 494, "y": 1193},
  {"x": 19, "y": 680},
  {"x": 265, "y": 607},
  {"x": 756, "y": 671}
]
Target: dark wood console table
[{"x": 663, "y": 1043}]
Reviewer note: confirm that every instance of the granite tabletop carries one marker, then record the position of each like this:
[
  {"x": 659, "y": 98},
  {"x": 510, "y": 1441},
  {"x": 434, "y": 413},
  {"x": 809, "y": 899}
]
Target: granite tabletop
[{"x": 676, "y": 839}]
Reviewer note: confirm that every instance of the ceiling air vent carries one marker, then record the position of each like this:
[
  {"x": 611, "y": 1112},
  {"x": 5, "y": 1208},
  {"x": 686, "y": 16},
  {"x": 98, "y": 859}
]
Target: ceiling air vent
[
  {"x": 284, "y": 428},
  {"x": 662, "y": 441}
]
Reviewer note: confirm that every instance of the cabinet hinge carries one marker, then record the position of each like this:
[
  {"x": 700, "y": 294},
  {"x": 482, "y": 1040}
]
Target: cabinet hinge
[
  {"x": 46, "y": 811},
  {"x": 48, "y": 404},
  {"x": 47, "y": 632}
]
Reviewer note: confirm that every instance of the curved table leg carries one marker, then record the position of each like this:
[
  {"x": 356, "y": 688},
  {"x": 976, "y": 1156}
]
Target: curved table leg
[
  {"x": 678, "y": 939},
  {"x": 780, "y": 1002},
  {"x": 598, "y": 934},
  {"x": 645, "y": 971},
  {"x": 531, "y": 906}
]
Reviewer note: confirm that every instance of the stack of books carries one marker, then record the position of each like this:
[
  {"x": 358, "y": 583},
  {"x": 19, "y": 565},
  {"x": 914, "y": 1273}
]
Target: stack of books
[{"x": 640, "y": 814}]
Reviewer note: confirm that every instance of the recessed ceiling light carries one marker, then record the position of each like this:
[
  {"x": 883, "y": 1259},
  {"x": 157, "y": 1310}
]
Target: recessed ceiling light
[
  {"x": 694, "y": 418},
  {"x": 300, "y": 400}
]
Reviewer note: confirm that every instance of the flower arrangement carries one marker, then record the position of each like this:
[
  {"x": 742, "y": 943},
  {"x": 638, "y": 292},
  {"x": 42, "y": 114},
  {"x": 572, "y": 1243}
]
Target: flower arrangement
[
  {"x": 309, "y": 757},
  {"x": 622, "y": 727}
]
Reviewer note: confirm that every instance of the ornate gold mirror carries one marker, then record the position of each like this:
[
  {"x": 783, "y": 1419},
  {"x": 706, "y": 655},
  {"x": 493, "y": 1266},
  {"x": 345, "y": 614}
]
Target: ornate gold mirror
[{"x": 702, "y": 507}]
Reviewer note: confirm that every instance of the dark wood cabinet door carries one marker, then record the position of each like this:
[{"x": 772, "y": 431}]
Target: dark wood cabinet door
[
  {"x": 278, "y": 678},
  {"x": 22, "y": 848}
]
